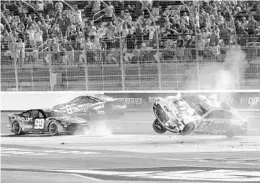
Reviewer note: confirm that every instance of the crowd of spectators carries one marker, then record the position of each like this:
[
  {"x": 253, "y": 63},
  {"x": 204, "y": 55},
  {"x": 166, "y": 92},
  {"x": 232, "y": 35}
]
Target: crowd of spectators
[{"x": 31, "y": 28}]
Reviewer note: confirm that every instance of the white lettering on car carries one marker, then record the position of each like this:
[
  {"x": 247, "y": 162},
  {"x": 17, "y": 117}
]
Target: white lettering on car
[
  {"x": 131, "y": 101},
  {"x": 39, "y": 124},
  {"x": 72, "y": 109}
]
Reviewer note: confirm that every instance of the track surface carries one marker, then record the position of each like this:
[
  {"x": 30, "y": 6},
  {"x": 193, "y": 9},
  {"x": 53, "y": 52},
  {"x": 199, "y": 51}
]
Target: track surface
[{"x": 132, "y": 153}]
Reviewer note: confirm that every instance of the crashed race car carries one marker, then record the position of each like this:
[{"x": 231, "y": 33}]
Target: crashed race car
[
  {"x": 45, "y": 121},
  {"x": 92, "y": 107},
  {"x": 198, "y": 114}
]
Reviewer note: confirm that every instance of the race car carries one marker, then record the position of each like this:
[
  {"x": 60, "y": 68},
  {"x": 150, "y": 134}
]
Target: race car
[
  {"x": 92, "y": 107},
  {"x": 199, "y": 114},
  {"x": 45, "y": 121}
]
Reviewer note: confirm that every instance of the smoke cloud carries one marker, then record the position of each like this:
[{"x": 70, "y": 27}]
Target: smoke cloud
[{"x": 220, "y": 75}]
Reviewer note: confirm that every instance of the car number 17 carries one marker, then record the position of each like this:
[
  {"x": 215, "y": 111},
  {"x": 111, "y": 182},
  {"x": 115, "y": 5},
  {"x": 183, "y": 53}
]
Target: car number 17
[{"x": 39, "y": 124}]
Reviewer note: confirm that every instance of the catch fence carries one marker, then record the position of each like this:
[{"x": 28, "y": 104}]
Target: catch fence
[{"x": 140, "y": 69}]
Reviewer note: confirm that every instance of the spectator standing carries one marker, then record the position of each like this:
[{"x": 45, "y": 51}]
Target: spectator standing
[
  {"x": 179, "y": 48},
  {"x": 201, "y": 45},
  {"x": 59, "y": 7},
  {"x": 31, "y": 33},
  {"x": 20, "y": 51},
  {"x": 111, "y": 30},
  {"x": 38, "y": 37},
  {"x": 56, "y": 32},
  {"x": 109, "y": 10},
  {"x": 187, "y": 46},
  {"x": 244, "y": 23},
  {"x": 214, "y": 38},
  {"x": 252, "y": 25},
  {"x": 225, "y": 34},
  {"x": 206, "y": 35},
  {"x": 40, "y": 5},
  {"x": 59, "y": 20},
  {"x": 96, "y": 7},
  {"x": 139, "y": 35}
]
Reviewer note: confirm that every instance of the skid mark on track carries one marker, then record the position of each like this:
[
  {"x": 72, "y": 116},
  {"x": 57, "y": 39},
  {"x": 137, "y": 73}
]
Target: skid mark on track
[
  {"x": 192, "y": 173},
  {"x": 244, "y": 161},
  {"x": 33, "y": 152}
]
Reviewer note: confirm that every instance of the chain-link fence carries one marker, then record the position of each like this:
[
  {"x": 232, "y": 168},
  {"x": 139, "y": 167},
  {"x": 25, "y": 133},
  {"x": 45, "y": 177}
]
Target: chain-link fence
[
  {"x": 130, "y": 45},
  {"x": 148, "y": 69}
]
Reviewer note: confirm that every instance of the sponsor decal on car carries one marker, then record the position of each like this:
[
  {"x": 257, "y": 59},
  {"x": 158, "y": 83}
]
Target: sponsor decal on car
[{"x": 72, "y": 109}]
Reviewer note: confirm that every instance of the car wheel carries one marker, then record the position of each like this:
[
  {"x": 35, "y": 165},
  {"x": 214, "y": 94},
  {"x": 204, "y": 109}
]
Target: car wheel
[
  {"x": 53, "y": 128},
  {"x": 17, "y": 129},
  {"x": 158, "y": 127},
  {"x": 188, "y": 128},
  {"x": 229, "y": 133}
]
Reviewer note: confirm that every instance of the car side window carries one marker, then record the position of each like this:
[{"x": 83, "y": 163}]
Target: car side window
[
  {"x": 35, "y": 114},
  {"x": 26, "y": 114},
  {"x": 93, "y": 100},
  {"x": 76, "y": 100},
  {"x": 41, "y": 115},
  {"x": 86, "y": 100}
]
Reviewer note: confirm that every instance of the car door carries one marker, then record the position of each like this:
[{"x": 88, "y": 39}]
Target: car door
[{"x": 26, "y": 120}]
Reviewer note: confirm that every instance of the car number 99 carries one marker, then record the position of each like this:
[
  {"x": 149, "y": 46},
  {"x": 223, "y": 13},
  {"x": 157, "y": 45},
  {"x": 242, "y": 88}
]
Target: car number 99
[{"x": 39, "y": 124}]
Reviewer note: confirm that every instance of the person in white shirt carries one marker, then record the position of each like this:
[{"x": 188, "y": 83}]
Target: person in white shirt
[
  {"x": 40, "y": 5},
  {"x": 96, "y": 7},
  {"x": 20, "y": 51},
  {"x": 31, "y": 33},
  {"x": 109, "y": 10},
  {"x": 59, "y": 6},
  {"x": 38, "y": 37}
]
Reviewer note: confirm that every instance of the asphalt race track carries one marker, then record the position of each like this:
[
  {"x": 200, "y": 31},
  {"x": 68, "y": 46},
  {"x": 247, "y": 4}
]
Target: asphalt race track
[{"x": 127, "y": 150}]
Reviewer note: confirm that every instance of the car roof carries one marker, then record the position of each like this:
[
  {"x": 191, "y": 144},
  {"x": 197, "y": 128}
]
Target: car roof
[{"x": 99, "y": 96}]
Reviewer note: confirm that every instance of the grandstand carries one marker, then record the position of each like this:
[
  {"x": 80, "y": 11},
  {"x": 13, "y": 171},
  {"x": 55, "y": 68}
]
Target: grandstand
[{"x": 127, "y": 45}]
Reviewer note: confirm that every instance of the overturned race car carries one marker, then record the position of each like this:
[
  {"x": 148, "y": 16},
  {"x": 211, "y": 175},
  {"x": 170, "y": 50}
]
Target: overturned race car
[
  {"x": 198, "y": 114},
  {"x": 45, "y": 121}
]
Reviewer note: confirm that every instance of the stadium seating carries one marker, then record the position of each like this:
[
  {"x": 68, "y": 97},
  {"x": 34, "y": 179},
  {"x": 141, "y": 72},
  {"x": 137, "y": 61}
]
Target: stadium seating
[{"x": 67, "y": 35}]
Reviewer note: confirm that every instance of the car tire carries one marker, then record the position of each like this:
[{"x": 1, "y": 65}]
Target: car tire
[
  {"x": 188, "y": 128},
  {"x": 53, "y": 128},
  {"x": 158, "y": 127},
  {"x": 229, "y": 133},
  {"x": 16, "y": 128}
]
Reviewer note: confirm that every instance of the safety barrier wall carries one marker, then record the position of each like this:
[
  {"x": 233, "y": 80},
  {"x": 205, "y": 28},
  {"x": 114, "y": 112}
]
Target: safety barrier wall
[{"x": 135, "y": 100}]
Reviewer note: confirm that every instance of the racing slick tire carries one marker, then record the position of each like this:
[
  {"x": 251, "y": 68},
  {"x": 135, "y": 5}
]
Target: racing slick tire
[
  {"x": 158, "y": 127},
  {"x": 188, "y": 128},
  {"x": 16, "y": 128},
  {"x": 53, "y": 128},
  {"x": 229, "y": 133}
]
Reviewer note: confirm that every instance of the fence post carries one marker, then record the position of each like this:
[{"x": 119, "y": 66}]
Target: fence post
[
  {"x": 86, "y": 66},
  {"x": 122, "y": 64},
  {"x": 50, "y": 69},
  {"x": 157, "y": 46},
  {"x": 15, "y": 67}
]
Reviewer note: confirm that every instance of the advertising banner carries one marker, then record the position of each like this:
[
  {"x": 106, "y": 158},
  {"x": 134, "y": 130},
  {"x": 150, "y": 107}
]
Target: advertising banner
[{"x": 238, "y": 100}]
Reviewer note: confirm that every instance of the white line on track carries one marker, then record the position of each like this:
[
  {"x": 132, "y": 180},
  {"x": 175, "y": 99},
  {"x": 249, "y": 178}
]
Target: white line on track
[{"x": 89, "y": 178}]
